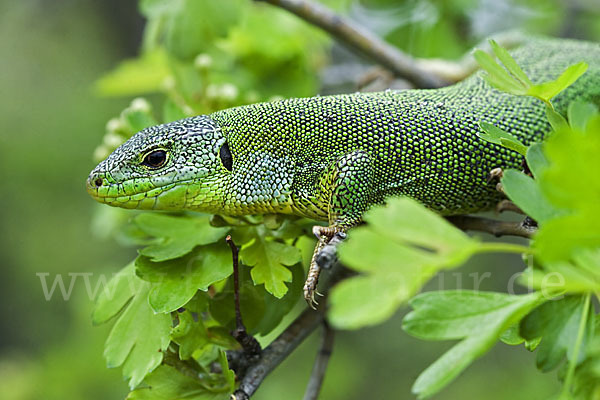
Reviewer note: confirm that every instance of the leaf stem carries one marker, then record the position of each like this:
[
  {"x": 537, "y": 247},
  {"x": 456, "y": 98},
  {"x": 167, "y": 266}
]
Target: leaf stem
[
  {"x": 501, "y": 247},
  {"x": 573, "y": 361}
]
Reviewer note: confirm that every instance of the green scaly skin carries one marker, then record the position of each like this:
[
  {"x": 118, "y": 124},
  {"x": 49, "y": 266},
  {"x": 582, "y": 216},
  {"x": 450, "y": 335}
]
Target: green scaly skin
[{"x": 331, "y": 158}]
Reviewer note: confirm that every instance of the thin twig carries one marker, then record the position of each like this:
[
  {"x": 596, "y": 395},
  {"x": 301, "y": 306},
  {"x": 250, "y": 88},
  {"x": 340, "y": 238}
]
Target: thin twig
[
  {"x": 318, "y": 372},
  {"x": 249, "y": 344},
  {"x": 507, "y": 205},
  {"x": 495, "y": 227},
  {"x": 364, "y": 41}
]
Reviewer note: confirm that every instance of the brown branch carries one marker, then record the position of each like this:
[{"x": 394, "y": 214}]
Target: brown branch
[
  {"x": 277, "y": 351},
  {"x": 249, "y": 344},
  {"x": 362, "y": 40},
  {"x": 318, "y": 373},
  {"x": 327, "y": 257},
  {"x": 507, "y": 205},
  {"x": 497, "y": 228},
  {"x": 285, "y": 343}
]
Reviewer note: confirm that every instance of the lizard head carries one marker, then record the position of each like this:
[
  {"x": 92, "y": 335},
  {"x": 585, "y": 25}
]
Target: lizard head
[{"x": 172, "y": 166}]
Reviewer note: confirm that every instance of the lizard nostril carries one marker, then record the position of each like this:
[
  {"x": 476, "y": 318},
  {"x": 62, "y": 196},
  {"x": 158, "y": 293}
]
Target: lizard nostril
[{"x": 98, "y": 182}]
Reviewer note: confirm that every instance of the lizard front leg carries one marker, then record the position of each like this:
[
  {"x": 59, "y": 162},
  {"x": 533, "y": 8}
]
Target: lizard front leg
[{"x": 347, "y": 184}]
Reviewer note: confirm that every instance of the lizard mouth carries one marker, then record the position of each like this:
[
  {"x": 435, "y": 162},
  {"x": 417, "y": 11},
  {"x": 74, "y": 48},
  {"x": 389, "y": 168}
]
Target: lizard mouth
[{"x": 133, "y": 194}]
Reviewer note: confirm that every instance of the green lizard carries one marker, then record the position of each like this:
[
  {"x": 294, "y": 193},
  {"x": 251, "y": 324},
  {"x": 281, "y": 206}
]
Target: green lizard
[{"x": 330, "y": 158}]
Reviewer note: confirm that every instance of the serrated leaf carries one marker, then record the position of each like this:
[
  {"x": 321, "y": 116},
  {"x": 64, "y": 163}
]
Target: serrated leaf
[
  {"x": 189, "y": 334},
  {"x": 479, "y": 317},
  {"x": 166, "y": 383},
  {"x": 496, "y": 135},
  {"x": 178, "y": 235},
  {"x": 526, "y": 193},
  {"x": 557, "y": 323},
  {"x": 176, "y": 281},
  {"x": 399, "y": 249},
  {"x": 268, "y": 259},
  {"x": 511, "y": 336},
  {"x": 138, "y": 338},
  {"x": 510, "y": 64},
  {"x": 513, "y": 145},
  {"x": 497, "y": 76},
  {"x": 548, "y": 90},
  {"x": 115, "y": 294},
  {"x": 276, "y": 309}
]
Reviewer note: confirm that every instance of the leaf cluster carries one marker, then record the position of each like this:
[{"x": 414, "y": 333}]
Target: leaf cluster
[
  {"x": 404, "y": 244},
  {"x": 175, "y": 301}
]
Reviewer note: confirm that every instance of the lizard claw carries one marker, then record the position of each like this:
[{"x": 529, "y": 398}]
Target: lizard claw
[
  {"x": 324, "y": 234},
  {"x": 309, "y": 296}
]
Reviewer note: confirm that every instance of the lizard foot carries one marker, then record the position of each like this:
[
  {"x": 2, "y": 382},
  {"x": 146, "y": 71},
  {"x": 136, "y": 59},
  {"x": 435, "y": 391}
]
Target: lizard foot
[{"x": 324, "y": 234}]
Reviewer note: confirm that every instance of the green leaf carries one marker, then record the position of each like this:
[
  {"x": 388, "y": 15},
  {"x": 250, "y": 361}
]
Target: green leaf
[
  {"x": 478, "y": 317},
  {"x": 580, "y": 113},
  {"x": 496, "y": 135},
  {"x": 179, "y": 235},
  {"x": 276, "y": 309},
  {"x": 399, "y": 249},
  {"x": 139, "y": 336},
  {"x": 115, "y": 295},
  {"x": 581, "y": 275},
  {"x": 510, "y": 64},
  {"x": 536, "y": 159},
  {"x": 135, "y": 77},
  {"x": 369, "y": 300},
  {"x": 268, "y": 259},
  {"x": 514, "y": 145},
  {"x": 252, "y": 306},
  {"x": 159, "y": 8},
  {"x": 559, "y": 238},
  {"x": 138, "y": 119},
  {"x": 166, "y": 383},
  {"x": 526, "y": 193},
  {"x": 189, "y": 334},
  {"x": 557, "y": 121},
  {"x": 511, "y": 336},
  {"x": 198, "y": 24},
  {"x": 497, "y": 76},
  {"x": 176, "y": 281},
  {"x": 557, "y": 323},
  {"x": 548, "y": 90},
  {"x": 172, "y": 112},
  {"x": 571, "y": 180}
]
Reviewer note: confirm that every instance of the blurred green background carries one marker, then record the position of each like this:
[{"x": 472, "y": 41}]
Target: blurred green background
[{"x": 52, "y": 53}]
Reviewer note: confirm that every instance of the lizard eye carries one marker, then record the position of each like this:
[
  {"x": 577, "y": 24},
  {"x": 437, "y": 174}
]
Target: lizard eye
[{"x": 155, "y": 159}]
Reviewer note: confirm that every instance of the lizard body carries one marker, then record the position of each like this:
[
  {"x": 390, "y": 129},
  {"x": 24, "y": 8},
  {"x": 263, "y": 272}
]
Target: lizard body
[{"x": 330, "y": 158}]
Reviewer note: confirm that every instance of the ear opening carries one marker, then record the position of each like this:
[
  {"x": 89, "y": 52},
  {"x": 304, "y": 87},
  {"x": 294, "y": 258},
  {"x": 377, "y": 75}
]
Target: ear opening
[{"x": 226, "y": 157}]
